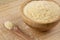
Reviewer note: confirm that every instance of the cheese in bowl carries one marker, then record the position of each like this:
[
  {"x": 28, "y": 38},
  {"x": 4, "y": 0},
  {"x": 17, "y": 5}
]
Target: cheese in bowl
[{"x": 40, "y": 14}]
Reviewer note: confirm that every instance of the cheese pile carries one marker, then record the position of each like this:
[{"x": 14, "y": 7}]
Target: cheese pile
[{"x": 42, "y": 11}]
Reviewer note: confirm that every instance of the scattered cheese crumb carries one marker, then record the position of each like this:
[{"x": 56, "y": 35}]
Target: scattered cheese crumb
[{"x": 9, "y": 25}]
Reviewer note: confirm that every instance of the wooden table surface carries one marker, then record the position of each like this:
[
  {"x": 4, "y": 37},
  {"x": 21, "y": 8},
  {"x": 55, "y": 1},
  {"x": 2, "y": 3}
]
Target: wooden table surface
[{"x": 14, "y": 16}]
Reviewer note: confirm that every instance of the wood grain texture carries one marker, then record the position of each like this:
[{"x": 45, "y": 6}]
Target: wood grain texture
[
  {"x": 10, "y": 12},
  {"x": 13, "y": 14}
]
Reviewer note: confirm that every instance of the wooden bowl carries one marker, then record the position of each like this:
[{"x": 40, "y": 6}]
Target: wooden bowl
[{"x": 36, "y": 25}]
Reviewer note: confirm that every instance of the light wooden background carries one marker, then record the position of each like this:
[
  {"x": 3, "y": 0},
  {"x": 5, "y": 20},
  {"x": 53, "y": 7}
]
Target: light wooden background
[{"x": 11, "y": 12}]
